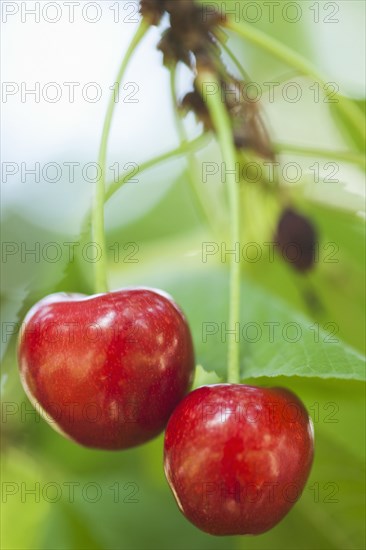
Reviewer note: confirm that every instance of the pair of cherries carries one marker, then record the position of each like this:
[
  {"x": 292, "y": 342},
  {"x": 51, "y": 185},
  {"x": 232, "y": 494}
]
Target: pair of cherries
[{"x": 112, "y": 370}]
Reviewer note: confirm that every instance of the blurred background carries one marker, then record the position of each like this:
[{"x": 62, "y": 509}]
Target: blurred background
[{"x": 58, "y": 495}]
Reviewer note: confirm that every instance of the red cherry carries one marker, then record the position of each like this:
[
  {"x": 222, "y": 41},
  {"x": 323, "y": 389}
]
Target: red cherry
[
  {"x": 107, "y": 370},
  {"x": 237, "y": 457}
]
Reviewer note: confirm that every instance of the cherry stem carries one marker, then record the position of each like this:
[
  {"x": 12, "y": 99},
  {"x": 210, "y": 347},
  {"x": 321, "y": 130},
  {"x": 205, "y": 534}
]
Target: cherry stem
[
  {"x": 245, "y": 76},
  {"x": 203, "y": 203},
  {"x": 346, "y": 156},
  {"x": 186, "y": 147},
  {"x": 343, "y": 156},
  {"x": 112, "y": 188},
  {"x": 99, "y": 195},
  {"x": 236, "y": 62},
  {"x": 345, "y": 107},
  {"x": 224, "y": 131}
]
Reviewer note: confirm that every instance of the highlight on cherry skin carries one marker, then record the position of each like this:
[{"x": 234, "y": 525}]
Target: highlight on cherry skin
[
  {"x": 107, "y": 370},
  {"x": 238, "y": 457}
]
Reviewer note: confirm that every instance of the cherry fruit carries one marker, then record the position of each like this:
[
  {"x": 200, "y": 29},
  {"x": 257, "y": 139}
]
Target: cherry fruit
[
  {"x": 237, "y": 457},
  {"x": 107, "y": 370}
]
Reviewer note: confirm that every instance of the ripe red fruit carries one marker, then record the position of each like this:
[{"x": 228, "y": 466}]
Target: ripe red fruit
[
  {"x": 237, "y": 457},
  {"x": 106, "y": 370}
]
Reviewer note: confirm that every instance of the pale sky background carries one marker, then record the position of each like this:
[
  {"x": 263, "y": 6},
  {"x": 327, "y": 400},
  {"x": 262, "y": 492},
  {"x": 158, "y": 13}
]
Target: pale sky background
[{"x": 85, "y": 52}]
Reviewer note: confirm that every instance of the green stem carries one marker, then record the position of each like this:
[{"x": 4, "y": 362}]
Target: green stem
[
  {"x": 203, "y": 204},
  {"x": 178, "y": 121},
  {"x": 346, "y": 156},
  {"x": 186, "y": 147},
  {"x": 245, "y": 76},
  {"x": 344, "y": 105},
  {"x": 236, "y": 62},
  {"x": 112, "y": 188},
  {"x": 224, "y": 133},
  {"x": 342, "y": 156},
  {"x": 99, "y": 197}
]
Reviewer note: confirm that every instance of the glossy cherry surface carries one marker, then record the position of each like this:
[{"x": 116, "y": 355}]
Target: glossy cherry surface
[
  {"x": 237, "y": 457},
  {"x": 107, "y": 370}
]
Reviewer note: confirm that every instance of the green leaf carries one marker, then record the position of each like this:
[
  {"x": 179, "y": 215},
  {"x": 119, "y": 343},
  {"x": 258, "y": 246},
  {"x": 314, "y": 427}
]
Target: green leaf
[
  {"x": 342, "y": 227},
  {"x": 204, "y": 378},
  {"x": 336, "y": 284},
  {"x": 343, "y": 122},
  {"x": 276, "y": 340}
]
